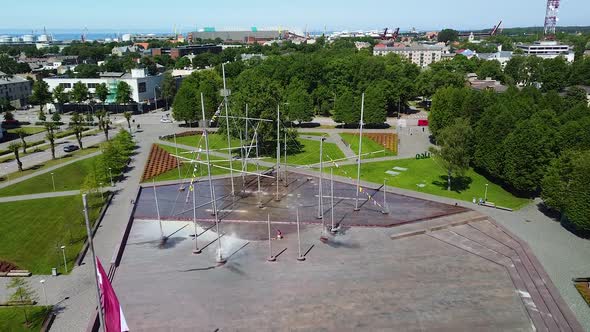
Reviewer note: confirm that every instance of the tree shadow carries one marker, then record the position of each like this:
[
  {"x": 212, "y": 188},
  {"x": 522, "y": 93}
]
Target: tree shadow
[{"x": 458, "y": 184}]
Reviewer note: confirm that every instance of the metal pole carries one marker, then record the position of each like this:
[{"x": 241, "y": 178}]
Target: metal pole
[
  {"x": 111, "y": 175},
  {"x": 196, "y": 250},
  {"x": 358, "y": 167},
  {"x": 231, "y": 164},
  {"x": 63, "y": 251},
  {"x": 220, "y": 258},
  {"x": 285, "y": 153},
  {"x": 320, "y": 191},
  {"x": 332, "y": 198},
  {"x": 278, "y": 151},
  {"x": 42, "y": 281},
  {"x": 257, "y": 170},
  {"x": 270, "y": 258},
  {"x": 385, "y": 209},
  {"x": 177, "y": 160},
  {"x": 299, "y": 257},
  {"x": 485, "y": 197},
  {"x": 53, "y": 181},
  {"x": 155, "y": 98},
  {"x": 158, "y": 209},
  {"x": 91, "y": 243}
]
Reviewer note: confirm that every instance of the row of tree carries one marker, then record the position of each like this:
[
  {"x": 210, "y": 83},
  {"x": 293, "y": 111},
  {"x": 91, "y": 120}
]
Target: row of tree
[{"x": 531, "y": 143}]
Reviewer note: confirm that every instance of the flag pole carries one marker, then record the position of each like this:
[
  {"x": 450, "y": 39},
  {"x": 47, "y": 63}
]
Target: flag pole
[
  {"x": 358, "y": 165},
  {"x": 299, "y": 257},
  {"x": 271, "y": 257},
  {"x": 91, "y": 243},
  {"x": 229, "y": 156}
]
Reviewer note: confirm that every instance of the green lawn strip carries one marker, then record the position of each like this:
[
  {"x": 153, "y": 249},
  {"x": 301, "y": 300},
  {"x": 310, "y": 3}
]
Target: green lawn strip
[
  {"x": 311, "y": 153},
  {"x": 216, "y": 141},
  {"x": 27, "y": 130},
  {"x": 369, "y": 146},
  {"x": 428, "y": 173},
  {"x": 186, "y": 169},
  {"x": 13, "y": 318},
  {"x": 50, "y": 163},
  {"x": 68, "y": 177},
  {"x": 32, "y": 232},
  {"x": 311, "y": 133}
]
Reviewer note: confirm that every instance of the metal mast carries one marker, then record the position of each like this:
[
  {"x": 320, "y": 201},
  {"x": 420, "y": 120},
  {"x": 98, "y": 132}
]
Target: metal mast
[{"x": 551, "y": 19}]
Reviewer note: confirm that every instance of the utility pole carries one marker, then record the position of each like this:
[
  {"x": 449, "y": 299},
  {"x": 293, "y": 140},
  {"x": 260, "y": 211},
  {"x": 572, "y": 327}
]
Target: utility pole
[{"x": 358, "y": 166}]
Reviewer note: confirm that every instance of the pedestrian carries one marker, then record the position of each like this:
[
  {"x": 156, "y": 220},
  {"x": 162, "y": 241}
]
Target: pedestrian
[{"x": 279, "y": 234}]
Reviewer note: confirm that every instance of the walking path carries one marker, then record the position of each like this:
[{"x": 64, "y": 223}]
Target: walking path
[
  {"x": 38, "y": 196},
  {"x": 47, "y": 170}
]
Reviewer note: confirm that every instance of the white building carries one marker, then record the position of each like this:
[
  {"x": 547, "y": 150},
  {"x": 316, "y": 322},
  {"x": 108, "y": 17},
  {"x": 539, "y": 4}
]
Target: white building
[
  {"x": 548, "y": 50},
  {"x": 419, "y": 55},
  {"x": 143, "y": 86},
  {"x": 501, "y": 56}
]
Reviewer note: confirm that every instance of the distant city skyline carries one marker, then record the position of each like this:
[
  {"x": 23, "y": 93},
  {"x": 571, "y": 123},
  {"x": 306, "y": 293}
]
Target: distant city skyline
[{"x": 158, "y": 16}]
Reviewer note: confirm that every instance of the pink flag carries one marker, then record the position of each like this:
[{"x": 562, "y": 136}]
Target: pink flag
[{"x": 114, "y": 320}]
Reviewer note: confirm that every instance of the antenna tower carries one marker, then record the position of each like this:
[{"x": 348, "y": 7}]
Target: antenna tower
[{"x": 551, "y": 19}]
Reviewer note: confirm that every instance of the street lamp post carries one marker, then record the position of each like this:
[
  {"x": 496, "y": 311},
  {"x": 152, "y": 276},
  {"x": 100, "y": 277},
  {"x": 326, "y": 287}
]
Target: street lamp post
[
  {"x": 156, "y": 97},
  {"x": 111, "y": 175},
  {"x": 485, "y": 196},
  {"x": 53, "y": 181},
  {"x": 63, "y": 251},
  {"x": 42, "y": 281}
]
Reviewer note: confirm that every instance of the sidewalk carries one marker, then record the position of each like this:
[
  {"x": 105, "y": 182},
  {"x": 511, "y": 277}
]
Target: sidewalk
[{"x": 38, "y": 196}]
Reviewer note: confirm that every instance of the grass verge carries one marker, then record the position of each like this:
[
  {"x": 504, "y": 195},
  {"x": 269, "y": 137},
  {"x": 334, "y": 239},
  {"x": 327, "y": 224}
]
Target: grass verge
[
  {"x": 13, "y": 318},
  {"x": 310, "y": 153}
]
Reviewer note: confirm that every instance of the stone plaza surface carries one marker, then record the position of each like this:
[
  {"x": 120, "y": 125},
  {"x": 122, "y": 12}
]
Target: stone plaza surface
[{"x": 451, "y": 269}]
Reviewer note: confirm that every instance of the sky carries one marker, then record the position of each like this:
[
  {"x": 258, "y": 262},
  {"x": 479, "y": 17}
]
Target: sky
[{"x": 162, "y": 16}]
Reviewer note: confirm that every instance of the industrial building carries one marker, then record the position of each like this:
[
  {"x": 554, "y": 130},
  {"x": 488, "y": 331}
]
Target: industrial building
[
  {"x": 144, "y": 87},
  {"x": 247, "y": 36},
  {"x": 15, "y": 89},
  {"x": 548, "y": 49},
  {"x": 179, "y": 52},
  {"x": 420, "y": 55}
]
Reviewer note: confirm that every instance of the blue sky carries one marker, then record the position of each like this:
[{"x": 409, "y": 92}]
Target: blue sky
[{"x": 161, "y": 16}]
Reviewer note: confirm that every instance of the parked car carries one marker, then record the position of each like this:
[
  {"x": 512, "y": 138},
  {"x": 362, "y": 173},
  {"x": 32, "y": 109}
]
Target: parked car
[{"x": 70, "y": 148}]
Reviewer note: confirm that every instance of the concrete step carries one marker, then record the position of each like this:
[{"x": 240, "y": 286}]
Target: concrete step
[{"x": 423, "y": 226}]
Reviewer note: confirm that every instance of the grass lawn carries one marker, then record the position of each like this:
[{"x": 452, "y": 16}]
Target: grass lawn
[
  {"x": 311, "y": 153},
  {"x": 186, "y": 169},
  {"x": 27, "y": 130},
  {"x": 32, "y": 232},
  {"x": 369, "y": 146},
  {"x": 49, "y": 163},
  {"x": 433, "y": 178},
  {"x": 312, "y": 133},
  {"x": 69, "y": 177},
  {"x": 13, "y": 318},
  {"x": 216, "y": 141}
]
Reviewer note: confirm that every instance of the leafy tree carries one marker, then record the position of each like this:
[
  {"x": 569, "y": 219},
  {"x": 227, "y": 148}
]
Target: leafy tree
[
  {"x": 42, "y": 117},
  {"x": 8, "y": 116},
  {"x": 566, "y": 188},
  {"x": 347, "y": 108},
  {"x": 55, "y": 117},
  {"x": 50, "y": 128},
  {"x": 187, "y": 103},
  {"x": 22, "y": 134},
  {"x": 150, "y": 65},
  {"x": 376, "y": 103},
  {"x": 77, "y": 125},
  {"x": 528, "y": 151},
  {"x": 515, "y": 70},
  {"x": 123, "y": 93},
  {"x": 4, "y": 104},
  {"x": 7, "y": 64},
  {"x": 104, "y": 122},
  {"x": 182, "y": 63},
  {"x": 84, "y": 70},
  {"x": 60, "y": 96},
  {"x": 168, "y": 87},
  {"x": 446, "y": 107},
  {"x": 102, "y": 92},
  {"x": 491, "y": 69},
  {"x": 79, "y": 92},
  {"x": 40, "y": 94},
  {"x": 23, "y": 293},
  {"x": 448, "y": 35},
  {"x": 554, "y": 74},
  {"x": 454, "y": 149},
  {"x": 14, "y": 146},
  {"x": 89, "y": 118},
  {"x": 300, "y": 104}
]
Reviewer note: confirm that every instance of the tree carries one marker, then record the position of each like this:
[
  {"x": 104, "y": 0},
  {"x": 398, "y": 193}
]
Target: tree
[
  {"x": 23, "y": 294},
  {"x": 447, "y": 104},
  {"x": 60, "y": 96},
  {"x": 8, "y": 116},
  {"x": 492, "y": 69},
  {"x": 187, "y": 103},
  {"x": 182, "y": 63},
  {"x": 42, "y": 117},
  {"x": 50, "y": 127},
  {"x": 554, "y": 74},
  {"x": 376, "y": 103},
  {"x": 103, "y": 122},
  {"x": 448, "y": 35},
  {"x": 4, "y": 104},
  {"x": 22, "y": 134},
  {"x": 127, "y": 116},
  {"x": 89, "y": 118},
  {"x": 123, "y": 93},
  {"x": 168, "y": 87},
  {"x": 77, "y": 125},
  {"x": 454, "y": 149},
  {"x": 102, "y": 92},
  {"x": 79, "y": 92},
  {"x": 40, "y": 94},
  {"x": 566, "y": 188},
  {"x": 14, "y": 146},
  {"x": 300, "y": 104},
  {"x": 347, "y": 108},
  {"x": 55, "y": 117}
]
